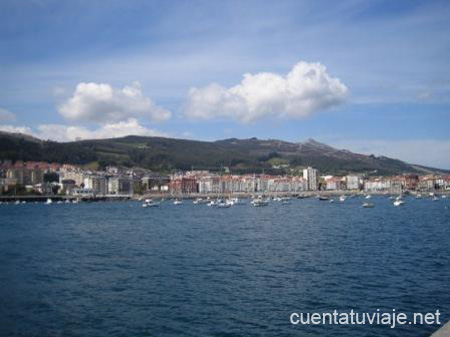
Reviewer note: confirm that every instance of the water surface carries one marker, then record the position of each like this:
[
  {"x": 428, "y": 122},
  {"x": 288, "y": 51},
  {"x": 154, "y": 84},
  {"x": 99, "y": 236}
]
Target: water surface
[{"x": 117, "y": 269}]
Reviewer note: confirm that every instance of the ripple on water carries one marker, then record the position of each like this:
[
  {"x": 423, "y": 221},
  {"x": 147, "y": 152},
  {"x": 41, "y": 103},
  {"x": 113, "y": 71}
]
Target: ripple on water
[{"x": 115, "y": 269}]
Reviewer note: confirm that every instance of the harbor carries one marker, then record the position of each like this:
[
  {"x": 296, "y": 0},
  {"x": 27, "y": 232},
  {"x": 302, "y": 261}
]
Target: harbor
[{"x": 114, "y": 261}]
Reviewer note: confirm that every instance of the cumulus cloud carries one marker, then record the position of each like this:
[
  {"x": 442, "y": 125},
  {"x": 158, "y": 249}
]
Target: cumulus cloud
[
  {"x": 99, "y": 102},
  {"x": 306, "y": 89},
  {"x": 66, "y": 133},
  {"x": 6, "y": 115}
]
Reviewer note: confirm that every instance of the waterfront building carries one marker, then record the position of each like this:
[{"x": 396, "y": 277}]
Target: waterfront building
[
  {"x": 183, "y": 185},
  {"x": 377, "y": 184},
  {"x": 209, "y": 184},
  {"x": 311, "y": 177},
  {"x": 155, "y": 183},
  {"x": 75, "y": 175},
  {"x": 335, "y": 184},
  {"x": 353, "y": 182},
  {"x": 120, "y": 185},
  {"x": 411, "y": 182},
  {"x": 25, "y": 176},
  {"x": 96, "y": 183},
  {"x": 67, "y": 185}
]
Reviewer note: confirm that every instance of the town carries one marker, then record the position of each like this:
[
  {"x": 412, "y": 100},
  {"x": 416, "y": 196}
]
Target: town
[{"x": 21, "y": 178}]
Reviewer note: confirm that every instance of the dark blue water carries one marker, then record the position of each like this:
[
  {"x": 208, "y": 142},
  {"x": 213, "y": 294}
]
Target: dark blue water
[{"x": 117, "y": 269}]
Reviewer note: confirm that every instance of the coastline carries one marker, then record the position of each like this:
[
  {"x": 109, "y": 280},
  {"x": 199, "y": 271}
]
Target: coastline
[{"x": 306, "y": 194}]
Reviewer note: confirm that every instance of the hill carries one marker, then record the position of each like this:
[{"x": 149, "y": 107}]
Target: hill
[{"x": 168, "y": 154}]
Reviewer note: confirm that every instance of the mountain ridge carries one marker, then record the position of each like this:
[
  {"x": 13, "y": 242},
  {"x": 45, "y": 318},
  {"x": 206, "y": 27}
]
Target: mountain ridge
[{"x": 239, "y": 155}]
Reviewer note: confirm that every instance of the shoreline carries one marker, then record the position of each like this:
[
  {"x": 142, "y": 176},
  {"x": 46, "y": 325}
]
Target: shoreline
[{"x": 306, "y": 194}]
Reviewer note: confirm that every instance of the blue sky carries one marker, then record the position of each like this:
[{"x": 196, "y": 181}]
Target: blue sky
[{"x": 390, "y": 58}]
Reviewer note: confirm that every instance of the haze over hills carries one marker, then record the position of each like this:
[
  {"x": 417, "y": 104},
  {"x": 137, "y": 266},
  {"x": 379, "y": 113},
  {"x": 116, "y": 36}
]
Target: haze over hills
[{"x": 239, "y": 155}]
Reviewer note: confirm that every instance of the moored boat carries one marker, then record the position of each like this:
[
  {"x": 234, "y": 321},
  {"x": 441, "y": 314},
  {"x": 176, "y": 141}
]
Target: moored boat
[
  {"x": 260, "y": 202},
  {"x": 177, "y": 202},
  {"x": 399, "y": 202},
  {"x": 150, "y": 203}
]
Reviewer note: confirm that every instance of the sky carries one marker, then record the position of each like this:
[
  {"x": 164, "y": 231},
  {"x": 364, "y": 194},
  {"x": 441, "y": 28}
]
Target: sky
[{"x": 369, "y": 76}]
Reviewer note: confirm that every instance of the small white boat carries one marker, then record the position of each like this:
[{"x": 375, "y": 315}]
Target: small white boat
[
  {"x": 342, "y": 198},
  {"x": 444, "y": 196},
  {"x": 435, "y": 198},
  {"x": 49, "y": 201},
  {"x": 67, "y": 201},
  {"x": 368, "y": 196},
  {"x": 367, "y": 205},
  {"x": 230, "y": 202},
  {"x": 17, "y": 202},
  {"x": 331, "y": 201},
  {"x": 150, "y": 204},
  {"x": 222, "y": 204},
  {"x": 399, "y": 202},
  {"x": 236, "y": 201},
  {"x": 177, "y": 202},
  {"x": 260, "y": 203}
]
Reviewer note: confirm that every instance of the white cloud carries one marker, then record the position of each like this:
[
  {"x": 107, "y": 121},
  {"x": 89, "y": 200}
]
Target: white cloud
[
  {"x": 428, "y": 152},
  {"x": 16, "y": 129},
  {"x": 64, "y": 133},
  {"x": 102, "y": 103},
  {"x": 306, "y": 89},
  {"x": 6, "y": 115}
]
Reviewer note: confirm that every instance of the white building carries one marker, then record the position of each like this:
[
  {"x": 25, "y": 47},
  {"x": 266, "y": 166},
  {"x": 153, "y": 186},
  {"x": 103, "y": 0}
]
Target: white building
[
  {"x": 311, "y": 177},
  {"x": 97, "y": 183},
  {"x": 353, "y": 182},
  {"x": 120, "y": 186},
  {"x": 377, "y": 185},
  {"x": 77, "y": 176}
]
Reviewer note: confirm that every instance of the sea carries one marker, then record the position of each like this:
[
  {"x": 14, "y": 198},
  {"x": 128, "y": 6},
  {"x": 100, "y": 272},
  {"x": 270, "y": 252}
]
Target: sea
[{"x": 118, "y": 269}]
